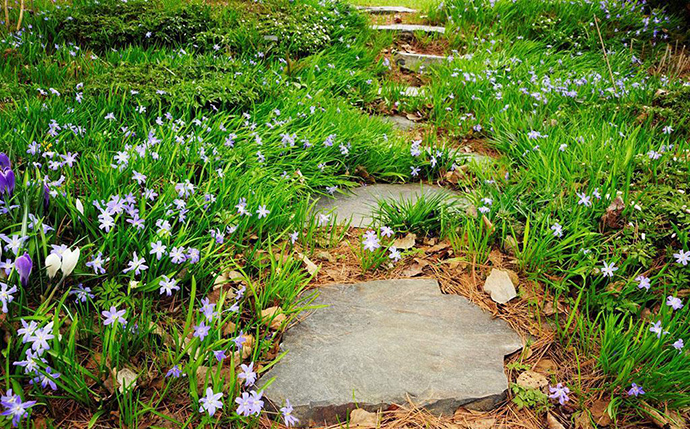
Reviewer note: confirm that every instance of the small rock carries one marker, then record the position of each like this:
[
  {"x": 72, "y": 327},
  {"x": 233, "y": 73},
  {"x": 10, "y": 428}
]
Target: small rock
[
  {"x": 532, "y": 380},
  {"x": 126, "y": 379},
  {"x": 360, "y": 418},
  {"x": 500, "y": 286}
]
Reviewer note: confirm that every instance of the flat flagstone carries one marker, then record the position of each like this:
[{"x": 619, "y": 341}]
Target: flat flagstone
[
  {"x": 385, "y": 10},
  {"x": 400, "y": 122},
  {"x": 383, "y": 342},
  {"x": 412, "y": 61},
  {"x": 409, "y": 29},
  {"x": 360, "y": 204}
]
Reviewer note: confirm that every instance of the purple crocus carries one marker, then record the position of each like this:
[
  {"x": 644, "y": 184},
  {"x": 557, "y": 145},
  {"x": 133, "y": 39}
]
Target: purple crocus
[
  {"x": 23, "y": 265},
  {"x": 635, "y": 390}
]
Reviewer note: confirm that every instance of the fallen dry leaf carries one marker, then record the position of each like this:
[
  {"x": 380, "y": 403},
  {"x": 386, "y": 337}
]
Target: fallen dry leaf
[
  {"x": 582, "y": 421},
  {"x": 363, "y": 419},
  {"x": 613, "y": 212},
  {"x": 552, "y": 422},
  {"x": 667, "y": 420},
  {"x": 273, "y": 316},
  {"x": 546, "y": 367},
  {"x": 599, "y": 414},
  {"x": 312, "y": 268},
  {"x": 406, "y": 242}
]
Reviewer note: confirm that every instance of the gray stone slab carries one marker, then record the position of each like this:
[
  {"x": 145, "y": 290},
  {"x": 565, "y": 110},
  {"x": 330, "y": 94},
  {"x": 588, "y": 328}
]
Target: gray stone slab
[
  {"x": 409, "y": 29},
  {"x": 400, "y": 122},
  {"x": 411, "y": 61},
  {"x": 361, "y": 203},
  {"x": 409, "y": 91},
  {"x": 382, "y": 342},
  {"x": 385, "y": 10}
]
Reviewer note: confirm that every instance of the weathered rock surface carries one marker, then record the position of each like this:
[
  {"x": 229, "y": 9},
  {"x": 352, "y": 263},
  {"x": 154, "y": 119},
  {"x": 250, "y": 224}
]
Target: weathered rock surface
[
  {"x": 385, "y": 10},
  {"x": 409, "y": 29},
  {"x": 360, "y": 205},
  {"x": 500, "y": 286},
  {"x": 380, "y": 343},
  {"x": 400, "y": 122},
  {"x": 412, "y": 61}
]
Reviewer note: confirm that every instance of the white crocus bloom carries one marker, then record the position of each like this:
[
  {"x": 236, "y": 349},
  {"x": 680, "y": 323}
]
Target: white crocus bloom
[
  {"x": 69, "y": 261},
  {"x": 53, "y": 264}
]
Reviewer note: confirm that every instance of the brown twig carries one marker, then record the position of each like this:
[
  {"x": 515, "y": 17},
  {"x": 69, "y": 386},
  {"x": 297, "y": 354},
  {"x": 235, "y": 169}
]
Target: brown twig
[
  {"x": 21, "y": 15},
  {"x": 606, "y": 57}
]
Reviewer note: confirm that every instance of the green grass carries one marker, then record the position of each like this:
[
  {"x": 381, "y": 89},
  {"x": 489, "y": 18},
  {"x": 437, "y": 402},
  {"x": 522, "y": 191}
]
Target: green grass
[{"x": 236, "y": 136}]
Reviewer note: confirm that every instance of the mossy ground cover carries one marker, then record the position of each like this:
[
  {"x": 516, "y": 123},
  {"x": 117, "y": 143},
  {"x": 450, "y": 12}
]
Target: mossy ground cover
[{"x": 161, "y": 160}]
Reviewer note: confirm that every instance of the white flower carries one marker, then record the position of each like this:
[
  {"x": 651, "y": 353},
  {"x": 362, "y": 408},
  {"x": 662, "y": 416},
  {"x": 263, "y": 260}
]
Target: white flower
[
  {"x": 69, "y": 261},
  {"x": 53, "y": 263}
]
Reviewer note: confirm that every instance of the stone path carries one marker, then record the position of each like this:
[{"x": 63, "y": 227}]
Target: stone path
[
  {"x": 409, "y": 29},
  {"x": 413, "y": 62},
  {"x": 360, "y": 205},
  {"x": 400, "y": 122},
  {"x": 385, "y": 10},
  {"x": 380, "y": 343}
]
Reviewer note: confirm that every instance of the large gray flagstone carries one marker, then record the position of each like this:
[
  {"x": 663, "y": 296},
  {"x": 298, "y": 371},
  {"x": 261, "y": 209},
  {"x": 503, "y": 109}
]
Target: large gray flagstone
[
  {"x": 359, "y": 205},
  {"x": 400, "y": 122},
  {"x": 387, "y": 342},
  {"x": 409, "y": 29},
  {"x": 413, "y": 62},
  {"x": 385, "y": 10}
]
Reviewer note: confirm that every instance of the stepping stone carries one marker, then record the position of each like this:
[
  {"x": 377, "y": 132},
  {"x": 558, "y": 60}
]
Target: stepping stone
[
  {"x": 385, "y": 10},
  {"x": 359, "y": 206},
  {"x": 400, "y": 122},
  {"x": 411, "y": 61},
  {"x": 409, "y": 29},
  {"x": 382, "y": 342},
  {"x": 413, "y": 91},
  {"x": 483, "y": 161},
  {"x": 410, "y": 91}
]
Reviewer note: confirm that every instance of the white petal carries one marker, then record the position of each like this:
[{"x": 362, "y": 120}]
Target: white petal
[
  {"x": 52, "y": 264},
  {"x": 69, "y": 261}
]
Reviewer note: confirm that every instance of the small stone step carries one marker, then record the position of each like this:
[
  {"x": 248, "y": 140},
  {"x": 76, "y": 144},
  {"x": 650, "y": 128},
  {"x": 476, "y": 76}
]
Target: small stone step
[
  {"x": 359, "y": 205},
  {"x": 413, "y": 62},
  {"x": 375, "y": 344},
  {"x": 410, "y": 29},
  {"x": 400, "y": 122},
  {"x": 385, "y": 10},
  {"x": 410, "y": 91}
]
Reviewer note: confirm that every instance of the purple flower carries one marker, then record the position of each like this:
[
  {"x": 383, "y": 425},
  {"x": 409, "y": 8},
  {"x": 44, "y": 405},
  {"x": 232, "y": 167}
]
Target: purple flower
[
  {"x": 207, "y": 309},
  {"x": 174, "y": 372},
  {"x": 288, "y": 418},
  {"x": 219, "y": 355},
  {"x": 23, "y": 265},
  {"x": 674, "y": 302},
  {"x": 6, "y": 296},
  {"x": 201, "y": 331},
  {"x": 211, "y": 402},
  {"x": 247, "y": 374},
  {"x": 608, "y": 269},
  {"x": 114, "y": 315},
  {"x": 560, "y": 393},
  {"x": 678, "y": 345},
  {"x": 15, "y": 408},
  {"x": 635, "y": 390},
  {"x": 643, "y": 282},
  {"x": 47, "y": 379}
]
